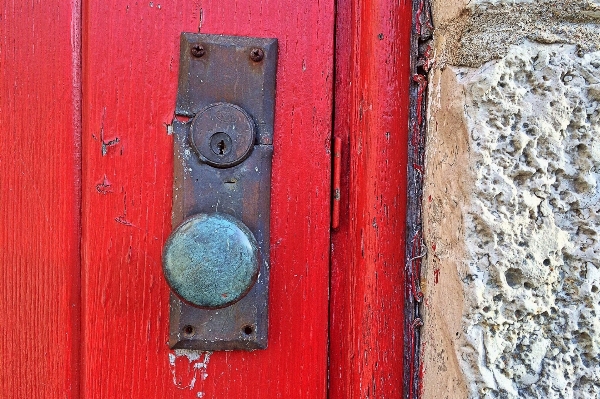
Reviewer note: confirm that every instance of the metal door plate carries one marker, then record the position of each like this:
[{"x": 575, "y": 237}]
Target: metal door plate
[{"x": 239, "y": 71}]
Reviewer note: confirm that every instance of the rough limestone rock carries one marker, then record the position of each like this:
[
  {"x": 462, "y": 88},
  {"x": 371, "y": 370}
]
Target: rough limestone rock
[
  {"x": 472, "y": 32},
  {"x": 512, "y": 217}
]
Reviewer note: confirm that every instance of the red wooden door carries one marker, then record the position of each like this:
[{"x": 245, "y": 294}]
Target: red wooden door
[
  {"x": 40, "y": 163},
  {"x": 130, "y": 79},
  {"x": 87, "y": 93}
]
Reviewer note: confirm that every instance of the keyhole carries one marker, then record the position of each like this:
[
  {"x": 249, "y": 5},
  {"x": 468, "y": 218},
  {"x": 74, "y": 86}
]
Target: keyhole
[{"x": 221, "y": 146}]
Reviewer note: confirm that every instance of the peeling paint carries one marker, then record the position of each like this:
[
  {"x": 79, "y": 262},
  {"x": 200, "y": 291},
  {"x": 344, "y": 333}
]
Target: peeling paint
[
  {"x": 104, "y": 186},
  {"x": 422, "y": 30},
  {"x": 189, "y": 368}
]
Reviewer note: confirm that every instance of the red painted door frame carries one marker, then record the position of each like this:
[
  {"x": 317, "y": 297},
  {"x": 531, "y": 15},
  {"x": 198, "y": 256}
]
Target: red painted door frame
[
  {"x": 367, "y": 269},
  {"x": 85, "y": 194},
  {"x": 130, "y": 74}
]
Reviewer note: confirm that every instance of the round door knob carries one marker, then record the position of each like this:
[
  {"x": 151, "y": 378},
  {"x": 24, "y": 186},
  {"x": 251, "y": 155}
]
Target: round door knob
[
  {"x": 211, "y": 261},
  {"x": 222, "y": 134}
]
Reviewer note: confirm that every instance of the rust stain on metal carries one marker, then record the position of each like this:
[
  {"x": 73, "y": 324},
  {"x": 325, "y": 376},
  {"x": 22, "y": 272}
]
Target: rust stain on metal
[{"x": 257, "y": 54}]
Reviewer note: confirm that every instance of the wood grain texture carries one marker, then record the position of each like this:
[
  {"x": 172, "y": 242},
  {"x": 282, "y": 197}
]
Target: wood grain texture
[
  {"x": 371, "y": 118},
  {"x": 39, "y": 199},
  {"x": 130, "y": 75}
]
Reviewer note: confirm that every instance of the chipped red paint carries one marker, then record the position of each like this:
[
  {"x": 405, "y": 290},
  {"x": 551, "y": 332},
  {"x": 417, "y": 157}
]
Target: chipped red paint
[
  {"x": 131, "y": 52},
  {"x": 422, "y": 16},
  {"x": 122, "y": 165},
  {"x": 422, "y": 82},
  {"x": 426, "y": 58},
  {"x": 421, "y": 62}
]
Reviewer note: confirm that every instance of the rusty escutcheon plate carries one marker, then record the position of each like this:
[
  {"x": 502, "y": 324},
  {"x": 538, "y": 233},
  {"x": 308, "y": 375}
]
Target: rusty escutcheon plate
[{"x": 239, "y": 72}]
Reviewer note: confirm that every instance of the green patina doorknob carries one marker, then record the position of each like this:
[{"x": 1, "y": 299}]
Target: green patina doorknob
[{"x": 211, "y": 260}]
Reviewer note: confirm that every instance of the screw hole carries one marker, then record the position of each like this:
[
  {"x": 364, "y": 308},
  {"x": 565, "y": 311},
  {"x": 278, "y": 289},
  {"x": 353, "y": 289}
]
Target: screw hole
[
  {"x": 248, "y": 330},
  {"x": 188, "y": 331}
]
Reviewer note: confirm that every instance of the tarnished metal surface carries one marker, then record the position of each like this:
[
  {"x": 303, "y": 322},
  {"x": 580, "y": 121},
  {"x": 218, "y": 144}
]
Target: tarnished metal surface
[
  {"x": 222, "y": 134},
  {"x": 216, "y": 70},
  {"x": 211, "y": 261},
  {"x": 237, "y": 70}
]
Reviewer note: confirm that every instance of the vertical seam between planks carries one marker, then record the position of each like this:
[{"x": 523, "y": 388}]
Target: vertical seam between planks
[
  {"x": 330, "y": 272},
  {"x": 76, "y": 290}
]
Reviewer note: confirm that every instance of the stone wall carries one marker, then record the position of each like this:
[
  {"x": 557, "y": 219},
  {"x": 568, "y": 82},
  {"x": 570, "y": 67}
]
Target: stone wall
[{"x": 511, "y": 201}]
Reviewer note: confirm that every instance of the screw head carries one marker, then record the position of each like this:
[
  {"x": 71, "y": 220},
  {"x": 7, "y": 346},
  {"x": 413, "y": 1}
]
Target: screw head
[
  {"x": 198, "y": 50},
  {"x": 257, "y": 54}
]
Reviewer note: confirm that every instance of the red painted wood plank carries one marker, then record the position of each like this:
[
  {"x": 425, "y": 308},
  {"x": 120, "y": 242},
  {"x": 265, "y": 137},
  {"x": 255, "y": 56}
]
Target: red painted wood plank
[
  {"x": 130, "y": 76},
  {"x": 39, "y": 199},
  {"x": 371, "y": 118}
]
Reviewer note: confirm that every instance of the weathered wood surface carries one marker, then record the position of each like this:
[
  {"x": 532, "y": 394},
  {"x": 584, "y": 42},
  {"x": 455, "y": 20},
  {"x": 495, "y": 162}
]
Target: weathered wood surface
[
  {"x": 129, "y": 79},
  {"x": 371, "y": 118},
  {"x": 130, "y": 76},
  {"x": 39, "y": 199}
]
